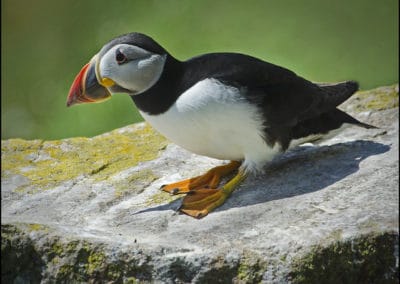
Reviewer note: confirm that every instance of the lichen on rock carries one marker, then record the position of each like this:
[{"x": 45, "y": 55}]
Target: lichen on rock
[
  {"x": 46, "y": 164},
  {"x": 381, "y": 98}
]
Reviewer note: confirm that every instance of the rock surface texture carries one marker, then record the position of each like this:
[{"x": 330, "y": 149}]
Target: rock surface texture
[{"x": 90, "y": 210}]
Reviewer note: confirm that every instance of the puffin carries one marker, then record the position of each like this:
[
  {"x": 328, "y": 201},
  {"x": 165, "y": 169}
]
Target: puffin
[{"x": 228, "y": 106}]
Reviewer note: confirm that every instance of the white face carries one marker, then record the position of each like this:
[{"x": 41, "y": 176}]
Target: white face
[{"x": 131, "y": 68}]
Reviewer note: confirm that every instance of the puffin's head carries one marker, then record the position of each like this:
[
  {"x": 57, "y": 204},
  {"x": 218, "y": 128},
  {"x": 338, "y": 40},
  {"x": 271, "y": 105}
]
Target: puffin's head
[{"x": 130, "y": 63}]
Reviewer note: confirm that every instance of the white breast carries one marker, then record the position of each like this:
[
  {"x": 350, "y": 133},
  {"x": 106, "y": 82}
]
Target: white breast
[{"x": 214, "y": 120}]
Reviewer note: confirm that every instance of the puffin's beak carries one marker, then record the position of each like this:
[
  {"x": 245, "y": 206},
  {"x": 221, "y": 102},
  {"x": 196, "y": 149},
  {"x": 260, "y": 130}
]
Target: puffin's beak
[{"x": 86, "y": 87}]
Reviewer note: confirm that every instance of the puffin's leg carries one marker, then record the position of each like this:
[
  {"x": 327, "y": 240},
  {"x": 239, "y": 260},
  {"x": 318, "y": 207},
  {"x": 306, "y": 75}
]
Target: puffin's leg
[
  {"x": 210, "y": 179},
  {"x": 199, "y": 202}
]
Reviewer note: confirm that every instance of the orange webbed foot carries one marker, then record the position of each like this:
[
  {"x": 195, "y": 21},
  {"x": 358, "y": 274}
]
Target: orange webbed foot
[
  {"x": 210, "y": 180},
  {"x": 199, "y": 202}
]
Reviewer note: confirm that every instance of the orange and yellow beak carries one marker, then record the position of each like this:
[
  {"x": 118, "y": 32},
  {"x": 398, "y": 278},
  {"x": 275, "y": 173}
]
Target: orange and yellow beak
[{"x": 86, "y": 87}]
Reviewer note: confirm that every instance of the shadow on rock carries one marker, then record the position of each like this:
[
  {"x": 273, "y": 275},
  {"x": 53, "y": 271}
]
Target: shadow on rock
[{"x": 302, "y": 170}]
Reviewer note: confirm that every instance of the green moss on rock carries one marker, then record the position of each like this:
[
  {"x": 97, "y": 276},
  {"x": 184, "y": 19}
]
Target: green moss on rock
[
  {"x": 20, "y": 261},
  {"x": 250, "y": 270},
  {"x": 37, "y": 227},
  {"x": 221, "y": 272},
  {"x": 367, "y": 259},
  {"x": 24, "y": 259},
  {"x": 96, "y": 261},
  {"x": 135, "y": 183}
]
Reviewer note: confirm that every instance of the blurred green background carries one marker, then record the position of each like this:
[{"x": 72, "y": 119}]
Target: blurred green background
[{"x": 46, "y": 42}]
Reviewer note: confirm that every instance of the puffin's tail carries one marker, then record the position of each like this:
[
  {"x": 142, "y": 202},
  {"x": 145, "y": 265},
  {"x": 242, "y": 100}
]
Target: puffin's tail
[
  {"x": 332, "y": 118},
  {"x": 339, "y": 92},
  {"x": 346, "y": 118}
]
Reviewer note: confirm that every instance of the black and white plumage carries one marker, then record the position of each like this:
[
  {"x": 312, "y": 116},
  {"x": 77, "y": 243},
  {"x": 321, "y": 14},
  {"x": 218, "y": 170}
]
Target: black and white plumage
[{"x": 227, "y": 106}]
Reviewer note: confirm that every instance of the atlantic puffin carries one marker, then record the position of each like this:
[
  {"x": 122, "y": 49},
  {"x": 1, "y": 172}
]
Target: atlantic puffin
[{"x": 228, "y": 106}]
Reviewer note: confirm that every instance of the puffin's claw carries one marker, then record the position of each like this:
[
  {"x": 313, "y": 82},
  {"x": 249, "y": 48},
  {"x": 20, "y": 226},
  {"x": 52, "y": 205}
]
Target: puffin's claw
[
  {"x": 199, "y": 202},
  {"x": 210, "y": 180}
]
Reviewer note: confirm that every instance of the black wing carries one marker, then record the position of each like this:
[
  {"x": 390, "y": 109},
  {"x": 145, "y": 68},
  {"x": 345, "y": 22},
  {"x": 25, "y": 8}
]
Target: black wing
[
  {"x": 285, "y": 97},
  {"x": 292, "y": 106}
]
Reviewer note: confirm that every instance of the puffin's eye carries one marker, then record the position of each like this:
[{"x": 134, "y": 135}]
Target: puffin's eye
[{"x": 120, "y": 57}]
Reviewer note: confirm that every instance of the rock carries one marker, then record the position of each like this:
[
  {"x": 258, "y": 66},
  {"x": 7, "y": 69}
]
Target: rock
[{"x": 90, "y": 210}]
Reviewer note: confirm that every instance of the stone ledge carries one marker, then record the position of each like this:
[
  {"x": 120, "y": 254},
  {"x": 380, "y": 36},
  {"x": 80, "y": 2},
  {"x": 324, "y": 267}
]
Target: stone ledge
[{"x": 89, "y": 209}]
